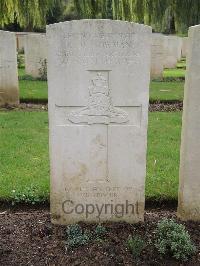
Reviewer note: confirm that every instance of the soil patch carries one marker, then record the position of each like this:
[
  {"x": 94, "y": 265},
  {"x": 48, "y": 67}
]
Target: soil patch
[
  {"x": 166, "y": 106},
  {"x": 27, "y": 237}
]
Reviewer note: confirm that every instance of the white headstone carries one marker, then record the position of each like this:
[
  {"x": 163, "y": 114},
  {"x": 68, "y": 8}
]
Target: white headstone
[
  {"x": 157, "y": 55},
  {"x": 172, "y": 46},
  {"x": 179, "y": 47},
  {"x": 35, "y": 54},
  {"x": 9, "y": 91},
  {"x": 189, "y": 183},
  {"x": 20, "y": 38},
  {"x": 98, "y": 79},
  {"x": 184, "y": 46}
]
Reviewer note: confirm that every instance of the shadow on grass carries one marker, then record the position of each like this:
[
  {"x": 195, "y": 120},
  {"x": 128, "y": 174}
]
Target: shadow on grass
[{"x": 34, "y": 101}]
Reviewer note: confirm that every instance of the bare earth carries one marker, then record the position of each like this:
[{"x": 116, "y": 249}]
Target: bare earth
[{"x": 27, "y": 237}]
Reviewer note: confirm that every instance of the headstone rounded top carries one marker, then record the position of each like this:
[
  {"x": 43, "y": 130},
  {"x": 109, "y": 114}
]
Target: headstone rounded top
[
  {"x": 106, "y": 25},
  {"x": 7, "y": 32},
  {"x": 195, "y": 26}
]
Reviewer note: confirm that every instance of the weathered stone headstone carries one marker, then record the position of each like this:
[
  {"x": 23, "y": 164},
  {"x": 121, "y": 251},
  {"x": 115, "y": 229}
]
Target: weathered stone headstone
[
  {"x": 179, "y": 47},
  {"x": 189, "y": 183},
  {"x": 98, "y": 79},
  {"x": 9, "y": 91},
  {"x": 20, "y": 38},
  {"x": 157, "y": 55},
  {"x": 172, "y": 46},
  {"x": 184, "y": 46},
  {"x": 35, "y": 54}
]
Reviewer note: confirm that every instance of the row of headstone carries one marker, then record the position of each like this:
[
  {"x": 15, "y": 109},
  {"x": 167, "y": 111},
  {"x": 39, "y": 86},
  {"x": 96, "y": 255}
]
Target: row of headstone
[
  {"x": 98, "y": 79},
  {"x": 166, "y": 52},
  {"x": 34, "y": 46}
]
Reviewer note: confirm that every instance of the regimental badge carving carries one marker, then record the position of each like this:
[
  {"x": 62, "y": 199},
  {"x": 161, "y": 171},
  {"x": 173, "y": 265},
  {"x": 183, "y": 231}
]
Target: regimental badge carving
[{"x": 100, "y": 109}]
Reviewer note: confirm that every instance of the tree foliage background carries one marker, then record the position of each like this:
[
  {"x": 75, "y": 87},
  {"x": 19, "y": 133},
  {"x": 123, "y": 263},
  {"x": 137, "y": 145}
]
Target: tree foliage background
[{"x": 167, "y": 16}]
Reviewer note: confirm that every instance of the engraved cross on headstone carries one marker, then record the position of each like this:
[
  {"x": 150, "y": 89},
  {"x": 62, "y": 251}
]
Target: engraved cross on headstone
[{"x": 98, "y": 114}]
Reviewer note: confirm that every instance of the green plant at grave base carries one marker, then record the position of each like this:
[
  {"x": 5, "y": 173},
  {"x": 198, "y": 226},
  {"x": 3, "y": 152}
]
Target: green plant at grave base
[
  {"x": 77, "y": 237},
  {"x": 173, "y": 239},
  {"x": 43, "y": 70},
  {"x": 100, "y": 230},
  {"x": 135, "y": 245},
  {"x": 28, "y": 195}
]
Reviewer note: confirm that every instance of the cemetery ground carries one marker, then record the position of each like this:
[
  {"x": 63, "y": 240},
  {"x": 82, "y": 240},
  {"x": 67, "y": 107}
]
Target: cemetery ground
[{"x": 27, "y": 236}]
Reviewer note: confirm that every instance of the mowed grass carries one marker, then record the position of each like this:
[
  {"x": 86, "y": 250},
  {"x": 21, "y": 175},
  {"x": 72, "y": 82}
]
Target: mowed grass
[
  {"x": 164, "y": 135},
  {"x": 178, "y": 72},
  {"x": 24, "y": 161},
  {"x": 174, "y": 73},
  {"x": 166, "y": 91},
  {"x": 32, "y": 90},
  {"x": 170, "y": 90}
]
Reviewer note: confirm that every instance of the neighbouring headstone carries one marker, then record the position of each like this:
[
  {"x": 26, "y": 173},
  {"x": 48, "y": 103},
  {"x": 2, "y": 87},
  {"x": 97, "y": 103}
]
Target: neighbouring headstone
[
  {"x": 157, "y": 55},
  {"x": 20, "y": 38},
  {"x": 35, "y": 54},
  {"x": 172, "y": 46},
  {"x": 189, "y": 182},
  {"x": 179, "y": 47},
  {"x": 184, "y": 46},
  {"x": 98, "y": 80},
  {"x": 9, "y": 91}
]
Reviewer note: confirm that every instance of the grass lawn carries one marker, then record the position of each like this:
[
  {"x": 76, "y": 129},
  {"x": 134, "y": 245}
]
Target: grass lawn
[
  {"x": 169, "y": 90},
  {"x": 166, "y": 91},
  {"x": 178, "y": 72},
  {"x": 32, "y": 90},
  {"x": 163, "y": 155},
  {"x": 24, "y": 162},
  {"x": 174, "y": 73}
]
